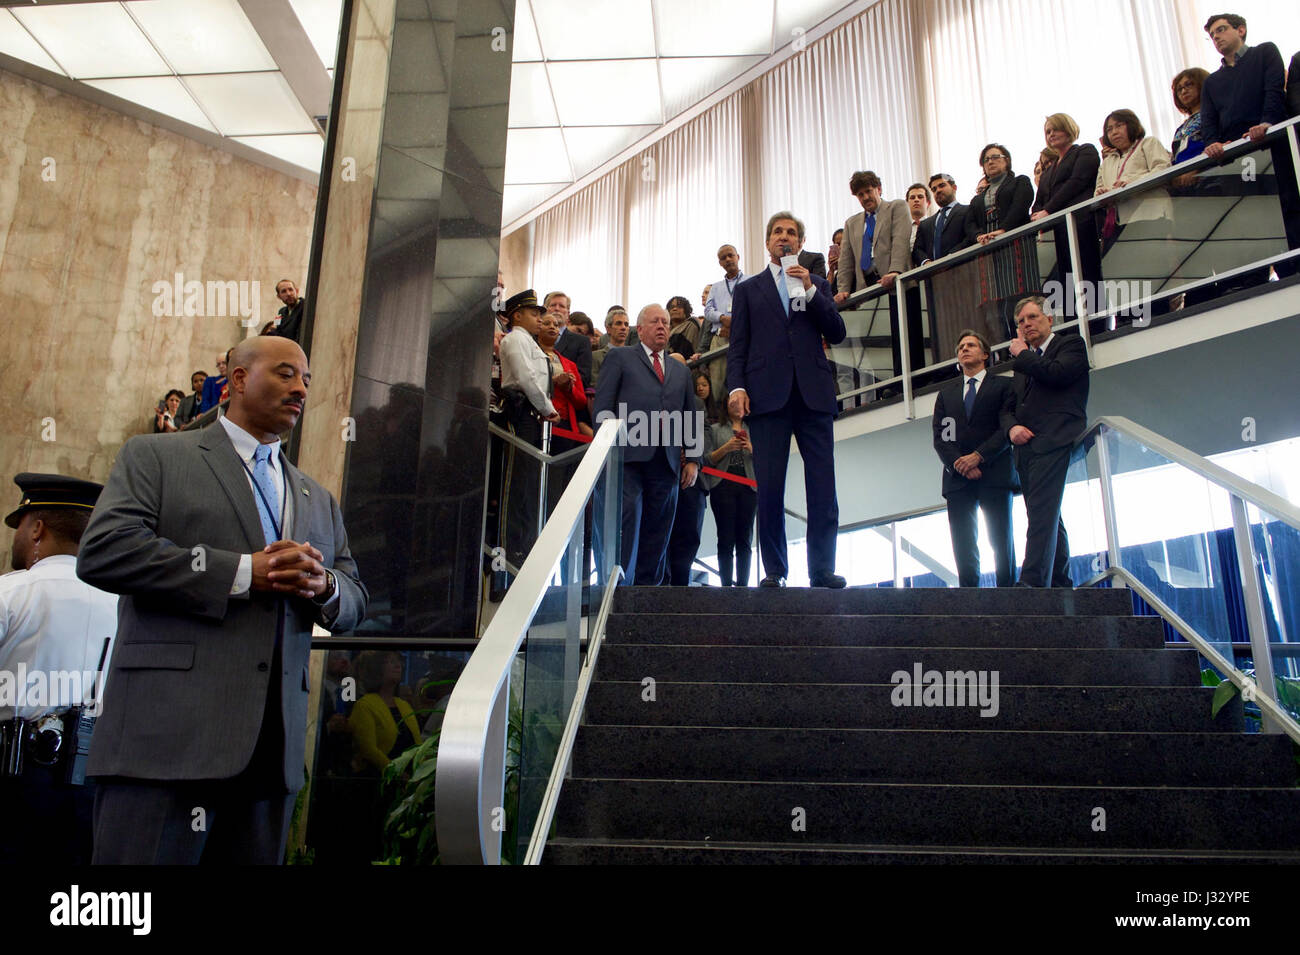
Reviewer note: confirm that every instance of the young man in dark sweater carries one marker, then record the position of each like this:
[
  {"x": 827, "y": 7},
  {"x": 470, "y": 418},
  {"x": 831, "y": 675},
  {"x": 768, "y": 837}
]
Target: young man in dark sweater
[{"x": 1241, "y": 99}]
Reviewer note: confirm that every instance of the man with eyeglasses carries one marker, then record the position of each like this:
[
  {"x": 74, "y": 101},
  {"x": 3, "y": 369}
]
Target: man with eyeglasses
[{"x": 1242, "y": 99}]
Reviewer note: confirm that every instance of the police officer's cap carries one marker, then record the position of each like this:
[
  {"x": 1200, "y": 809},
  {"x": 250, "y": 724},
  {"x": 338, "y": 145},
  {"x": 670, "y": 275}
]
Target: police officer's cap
[
  {"x": 525, "y": 299},
  {"x": 46, "y": 491}
]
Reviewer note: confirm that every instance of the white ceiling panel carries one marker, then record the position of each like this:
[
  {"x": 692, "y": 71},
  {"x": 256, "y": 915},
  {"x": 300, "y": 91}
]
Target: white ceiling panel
[
  {"x": 518, "y": 200},
  {"x": 250, "y": 104},
  {"x": 802, "y": 15},
  {"x": 530, "y": 96},
  {"x": 163, "y": 94},
  {"x": 303, "y": 150},
  {"x": 589, "y": 146},
  {"x": 536, "y": 155},
  {"x": 713, "y": 27},
  {"x": 606, "y": 92},
  {"x": 18, "y": 43},
  {"x": 202, "y": 36},
  {"x": 320, "y": 21},
  {"x": 687, "y": 80},
  {"x": 526, "y": 48},
  {"x": 594, "y": 29},
  {"x": 93, "y": 40}
]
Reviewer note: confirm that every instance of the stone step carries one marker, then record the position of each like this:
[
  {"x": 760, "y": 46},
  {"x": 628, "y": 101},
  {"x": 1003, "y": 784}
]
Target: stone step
[
  {"x": 1112, "y": 708},
  {"x": 571, "y": 851},
  {"x": 1103, "y": 601},
  {"x": 788, "y": 813},
  {"x": 1036, "y": 667},
  {"x": 990, "y": 757},
  {"x": 886, "y": 630}
]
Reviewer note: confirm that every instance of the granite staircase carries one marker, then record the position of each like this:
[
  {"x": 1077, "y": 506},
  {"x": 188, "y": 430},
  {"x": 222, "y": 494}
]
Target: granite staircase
[{"x": 767, "y": 726}]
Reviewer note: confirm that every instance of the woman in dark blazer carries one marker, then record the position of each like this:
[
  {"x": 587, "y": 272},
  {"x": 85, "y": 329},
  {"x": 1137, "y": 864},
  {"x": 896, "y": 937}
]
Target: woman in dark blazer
[
  {"x": 1070, "y": 180},
  {"x": 1012, "y": 270},
  {"x": 1013, "y": 197},
  {"x": 1073, "y": 176}
]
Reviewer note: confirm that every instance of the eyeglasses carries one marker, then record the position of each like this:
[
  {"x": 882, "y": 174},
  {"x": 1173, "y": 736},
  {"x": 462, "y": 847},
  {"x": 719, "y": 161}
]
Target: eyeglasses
[
  {"x": 1112, "y": 127},
  {"x": 1185, "y": 85},
  {"x": 1219, "y": 31},
  {"x": 994, "y": 157}
]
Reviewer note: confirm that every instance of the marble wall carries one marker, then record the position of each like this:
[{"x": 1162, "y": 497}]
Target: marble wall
[{"x": 98, "y": 211}]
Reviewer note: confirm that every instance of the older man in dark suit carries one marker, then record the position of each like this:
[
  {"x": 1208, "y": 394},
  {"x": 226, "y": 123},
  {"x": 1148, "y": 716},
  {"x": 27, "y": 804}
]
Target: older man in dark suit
[
  {"x": 653, "y": 395},
  {"x": 1049, "y": 411},
  {"x": 225, "y": 555},
  {"x": 778, "y": 378},
  {"x": 977, "y": 467},
  {"x": 572, "y": 345}
]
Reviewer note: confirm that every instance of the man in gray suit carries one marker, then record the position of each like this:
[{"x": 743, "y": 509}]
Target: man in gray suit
[
  {"x": 225, "y": 555},
  {"x": 877, "y": 240}
]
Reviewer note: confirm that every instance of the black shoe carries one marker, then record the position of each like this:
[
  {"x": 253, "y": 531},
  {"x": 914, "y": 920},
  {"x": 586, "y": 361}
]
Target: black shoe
[
  {"x": 830, "y": 581},
  {"x": 770, "y": 581}
]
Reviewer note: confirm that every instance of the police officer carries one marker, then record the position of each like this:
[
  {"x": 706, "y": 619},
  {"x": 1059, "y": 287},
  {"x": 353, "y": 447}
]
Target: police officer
[
  {"x": 54, "y": 631},
  {"x": 526, "y": 389}
]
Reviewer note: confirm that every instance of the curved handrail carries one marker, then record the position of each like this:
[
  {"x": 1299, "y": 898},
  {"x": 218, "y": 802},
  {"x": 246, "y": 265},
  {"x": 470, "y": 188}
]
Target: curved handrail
[
  {"x": 1261, "y": 497},
  {"x": 471, "y": 750}
]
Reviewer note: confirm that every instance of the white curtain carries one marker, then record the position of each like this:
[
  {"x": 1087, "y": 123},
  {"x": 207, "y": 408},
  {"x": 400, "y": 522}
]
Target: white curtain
[{"x": 907, "y": 89}]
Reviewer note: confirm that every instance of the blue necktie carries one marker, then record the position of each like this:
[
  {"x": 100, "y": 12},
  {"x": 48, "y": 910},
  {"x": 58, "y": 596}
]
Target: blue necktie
[
  {"x": 1038, "y": 350},
  {"x": 938, "y": 232},
  {"x": 868, "y": 236},
  {"x": 784, "y": 292},
  {"x": 262, "y": 478},
  {"x": 969, "y": 400}
]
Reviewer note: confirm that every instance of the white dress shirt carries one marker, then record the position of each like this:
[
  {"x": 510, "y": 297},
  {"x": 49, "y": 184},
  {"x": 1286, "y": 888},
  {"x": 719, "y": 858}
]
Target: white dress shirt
[
  {"x": 282, "y": 504},
  {"x": 978, "y": 378},
  {"x": 525, "y": 366},
  {"x": 51, "y": 622}
]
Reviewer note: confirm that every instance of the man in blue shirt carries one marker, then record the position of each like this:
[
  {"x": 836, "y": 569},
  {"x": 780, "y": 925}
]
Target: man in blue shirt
[{"x": 719, "y": 302}]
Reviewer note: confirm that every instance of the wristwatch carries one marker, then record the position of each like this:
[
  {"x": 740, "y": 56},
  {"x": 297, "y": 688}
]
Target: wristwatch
[{"x": 329, "y": 589}]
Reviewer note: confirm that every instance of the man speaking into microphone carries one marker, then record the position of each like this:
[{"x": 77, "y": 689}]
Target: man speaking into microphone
[{"x": 779, "y": 380}]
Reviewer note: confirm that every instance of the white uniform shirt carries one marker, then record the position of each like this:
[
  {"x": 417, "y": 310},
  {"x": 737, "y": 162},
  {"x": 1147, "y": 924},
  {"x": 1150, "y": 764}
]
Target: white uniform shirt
[
  {"x": 52, "y": 632},
  {"x": 525, "y": 366}
]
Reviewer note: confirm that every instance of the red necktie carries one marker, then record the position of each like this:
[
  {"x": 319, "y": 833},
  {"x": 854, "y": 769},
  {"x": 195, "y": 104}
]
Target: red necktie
[{"x": 659, "y": 369}]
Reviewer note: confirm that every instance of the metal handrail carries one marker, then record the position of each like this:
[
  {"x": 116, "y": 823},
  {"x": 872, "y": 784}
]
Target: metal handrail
[
  {"x": 1248, "y": 686},
  {"x": 560, "y": 769},
  {"x": 469, "y": 792},
  {"x": 1261, "y": 497}
]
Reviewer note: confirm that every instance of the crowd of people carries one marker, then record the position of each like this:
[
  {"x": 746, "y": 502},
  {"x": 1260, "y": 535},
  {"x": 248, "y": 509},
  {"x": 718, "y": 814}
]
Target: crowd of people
[
  {"x": 177, "y": 409},
  {"x": 1247, "y": 94}
]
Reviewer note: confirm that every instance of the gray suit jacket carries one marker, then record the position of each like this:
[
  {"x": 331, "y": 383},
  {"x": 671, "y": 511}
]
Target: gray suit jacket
[
  {"x": 890, "y": 248},
  {"x": 191, "y": 665}
]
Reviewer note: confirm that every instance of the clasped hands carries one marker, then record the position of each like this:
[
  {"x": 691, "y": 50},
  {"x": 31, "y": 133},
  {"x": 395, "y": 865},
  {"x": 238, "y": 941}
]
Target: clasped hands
[
  {"x": 287, "y": 567},
  {"x": 968, "y": 466}
]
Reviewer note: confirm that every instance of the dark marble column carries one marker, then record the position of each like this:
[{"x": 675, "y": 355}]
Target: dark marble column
[{"x": 413, "y": 490}]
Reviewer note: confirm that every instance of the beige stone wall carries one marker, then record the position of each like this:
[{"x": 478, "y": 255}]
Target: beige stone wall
[{"x": 95, "y": 208}]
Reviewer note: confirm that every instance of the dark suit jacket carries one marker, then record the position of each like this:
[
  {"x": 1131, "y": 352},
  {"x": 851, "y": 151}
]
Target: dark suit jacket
[
  {"x": 290, "y": 321},
  {"x": 814, "y": 262},
  {"x": 577, "y": 348},
  {"x": 1051, "y": 393},
  {"x": 191, "y": 665},
  {"x": 983, "y": 433},
  {"x": 627, "y": 378},
  {"x": 1293, "y": 87},
  {"x": 1014, "y": 198},
  {"x": 1071, "y": 179},
  {"x": 769, "y": 352},
  {"x": 953, "y": 238}
]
